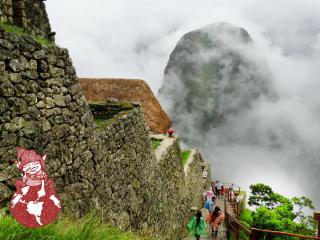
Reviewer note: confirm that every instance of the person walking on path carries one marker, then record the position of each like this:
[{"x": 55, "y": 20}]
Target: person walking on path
[
  {"x": 215, "y": 219},
  {"x": 222, "y": 191},
  {"x": 209, "y": 194},
  {"x": 213, "y": 185},
  {"x": 170, "y": 132},
  {"x": 218, "y": 188},
  {"x": 197, "y": 226},
  {"x": 208, "y": 199},
  {"x": 209, "y": 204}
]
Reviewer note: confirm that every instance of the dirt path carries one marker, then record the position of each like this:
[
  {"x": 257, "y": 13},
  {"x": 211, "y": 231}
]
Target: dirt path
[{"x": 162, "y": 148}]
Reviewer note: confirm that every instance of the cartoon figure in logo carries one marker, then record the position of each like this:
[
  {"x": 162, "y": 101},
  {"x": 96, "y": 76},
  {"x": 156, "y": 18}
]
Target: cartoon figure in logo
[{"x": 35, "y": 202}]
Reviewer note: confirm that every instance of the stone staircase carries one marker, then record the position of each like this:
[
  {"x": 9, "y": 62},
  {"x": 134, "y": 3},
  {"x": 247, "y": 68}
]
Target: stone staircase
[{"x": 222, "y": 230}]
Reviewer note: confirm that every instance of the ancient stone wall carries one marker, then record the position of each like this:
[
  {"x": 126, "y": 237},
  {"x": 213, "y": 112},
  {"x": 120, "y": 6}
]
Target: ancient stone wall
[
  {"x": 143, "y": 192},
  {"x": 37, "y": 19},
  {"x": 109, "y": 166},
  {"x": 124, "y": 163},
  {"x": 195, "y": 180},
  {"x": 6, "y": 12},
  {"x": 169, "y": 205},
  {"x": 30, "y": 15},
  {"x": 42, "y": 108}
]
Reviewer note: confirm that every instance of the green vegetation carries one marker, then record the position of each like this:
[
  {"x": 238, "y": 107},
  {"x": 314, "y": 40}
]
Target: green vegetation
[
  {"x": 21, "y": 32},
  {"x": 276, "y": 212},
  {"x": 43, "y": 41},
  {"x": 155, "y": 143},
  {"x": 103, "y": 122},
  {"x": 11, "y": 28},
  {"x": 185, "y": 156},
  {"x": 243, "y": 193},
  {"x": 121, "y": 104},
  {"x": 246, "y": 216},
  {"x": 87, "y": 228},
  {"x": 98, "y": 120}
]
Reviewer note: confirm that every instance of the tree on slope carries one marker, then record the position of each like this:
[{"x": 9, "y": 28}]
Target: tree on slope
[{"x": 276, "y": 212}]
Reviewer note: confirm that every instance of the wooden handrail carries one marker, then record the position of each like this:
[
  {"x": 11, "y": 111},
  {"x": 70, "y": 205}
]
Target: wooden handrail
[
  {"x": 283, "y": 233},
  {"x": 252, "y": 231},
  {"x": 248, "y": 231}
]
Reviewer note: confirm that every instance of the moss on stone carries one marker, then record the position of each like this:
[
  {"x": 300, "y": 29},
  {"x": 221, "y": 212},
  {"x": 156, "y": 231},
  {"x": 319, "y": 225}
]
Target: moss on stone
[
  {"x": 122, "y": 104},
  {"x": 99, "y": 120},
  {"x": 155, "y": 143},
  {"x": 21, "y": 32},
  {"x": 185, "y": 156},
  {"x": 106, "y": 112},
  {"x": 104, "y": 123}
]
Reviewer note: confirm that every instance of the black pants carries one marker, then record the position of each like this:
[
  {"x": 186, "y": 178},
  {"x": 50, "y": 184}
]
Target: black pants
[
  {"x": 218, "y": 192},
  {"x": 197, "y": 236}
]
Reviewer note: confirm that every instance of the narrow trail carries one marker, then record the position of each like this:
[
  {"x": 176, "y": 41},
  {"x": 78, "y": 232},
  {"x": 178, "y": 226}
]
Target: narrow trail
[
  {"x": 222, "y": 229},
  {"x": 164, "y": 145}
]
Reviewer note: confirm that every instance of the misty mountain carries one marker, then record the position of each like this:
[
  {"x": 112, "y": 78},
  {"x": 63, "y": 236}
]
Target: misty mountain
[
  {"x": 213, "y": 74},
  {"x": 223, "y": 98}
]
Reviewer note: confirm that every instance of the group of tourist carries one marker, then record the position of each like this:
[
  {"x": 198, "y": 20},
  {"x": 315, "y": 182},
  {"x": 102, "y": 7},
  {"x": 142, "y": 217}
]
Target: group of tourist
[
  {"x": 197, "y": 225},
  {"x": 220, "y": 190}
]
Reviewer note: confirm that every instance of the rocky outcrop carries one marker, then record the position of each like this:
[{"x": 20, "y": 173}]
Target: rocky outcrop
[
  {"x": 128, "y": 90},
  {"x": 213, "y": 74}
]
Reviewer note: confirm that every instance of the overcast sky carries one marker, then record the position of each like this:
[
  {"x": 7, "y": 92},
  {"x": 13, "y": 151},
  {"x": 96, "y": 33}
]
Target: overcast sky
[{"x": 134, "y": 38}]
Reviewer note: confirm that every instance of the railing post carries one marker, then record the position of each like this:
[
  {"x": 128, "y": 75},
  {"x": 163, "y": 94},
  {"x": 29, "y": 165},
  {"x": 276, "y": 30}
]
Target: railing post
[
  {"x": 316, "y": 217},
  {"x": 238, "y": 218},
  {"x": 227, "y": 218},
  {"x": 253, "y": 234}
]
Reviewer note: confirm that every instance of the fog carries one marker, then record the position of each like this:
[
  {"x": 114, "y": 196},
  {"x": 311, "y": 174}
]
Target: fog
[{"x": 133, "y": 39}]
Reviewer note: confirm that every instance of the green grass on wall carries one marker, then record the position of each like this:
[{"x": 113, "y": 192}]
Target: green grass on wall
[
  {"x": 155, "y": 143},
  {"x": 87, "y": 228},
  {"x": 185, "y": 156}
]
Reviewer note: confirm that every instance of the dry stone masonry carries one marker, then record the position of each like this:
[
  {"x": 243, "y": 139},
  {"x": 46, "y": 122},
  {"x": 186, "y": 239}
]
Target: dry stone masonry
[
  {"x": 106, "y": 163},
  {"x": 42, "y": 108},
  {"x": 30, "y": 15}
]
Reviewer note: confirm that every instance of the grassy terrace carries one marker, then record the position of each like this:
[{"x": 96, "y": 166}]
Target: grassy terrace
[
  {"x": 98, "y": 120},
  {"x": 87, "y": 228},
  {"x": 21, "y": 32},
  {"x": 185, "y": 156},
  {"x": 155, "y": 143}
]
